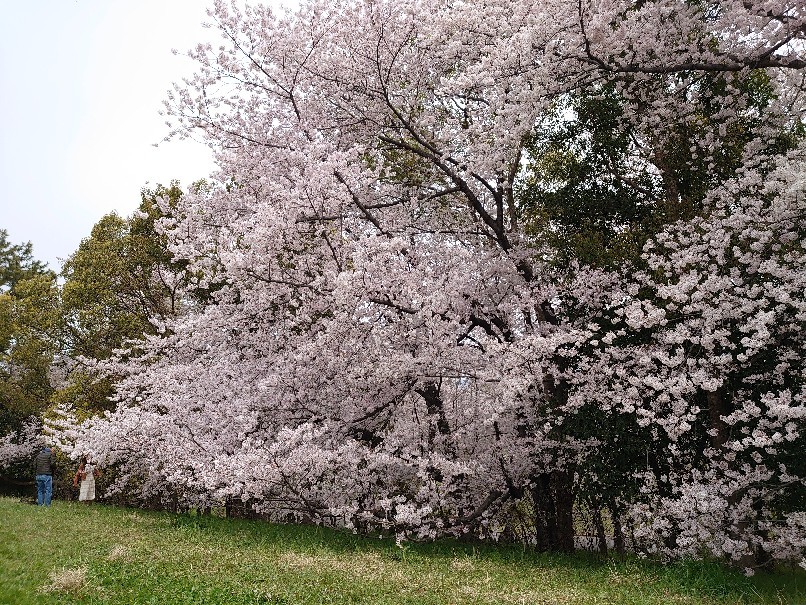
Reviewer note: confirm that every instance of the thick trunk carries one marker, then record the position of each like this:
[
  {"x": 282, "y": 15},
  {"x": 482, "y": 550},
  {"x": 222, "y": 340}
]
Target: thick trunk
[
  {"x": 439, "y": 431},
  {"x": 545, "y": 519},
  {"x": 553, "y": 494},
  {"x": 564, "y": 502},
  {"x": 230, "y": 507},
  {"x": 719, "y": 435},
  {"x": 553, "y": 501},
  {"x": 433, "y": 403}
]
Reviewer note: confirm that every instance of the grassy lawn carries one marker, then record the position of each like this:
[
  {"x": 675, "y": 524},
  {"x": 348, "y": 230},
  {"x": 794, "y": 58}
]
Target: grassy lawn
[{"x": 73, "y": 553}]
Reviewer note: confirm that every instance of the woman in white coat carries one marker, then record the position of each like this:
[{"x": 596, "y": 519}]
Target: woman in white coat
[{"x": 86, "y": 474}]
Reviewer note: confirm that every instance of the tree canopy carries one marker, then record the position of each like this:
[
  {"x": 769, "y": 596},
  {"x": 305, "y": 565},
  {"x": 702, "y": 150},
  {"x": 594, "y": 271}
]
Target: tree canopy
[
  {"x": 29, "y": 299},
  {"x": 469, "y": 265}
]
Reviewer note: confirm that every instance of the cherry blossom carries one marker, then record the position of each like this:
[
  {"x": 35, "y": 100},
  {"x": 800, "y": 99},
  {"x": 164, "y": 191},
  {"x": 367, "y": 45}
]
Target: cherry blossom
[{"x": 386, "y": 346}]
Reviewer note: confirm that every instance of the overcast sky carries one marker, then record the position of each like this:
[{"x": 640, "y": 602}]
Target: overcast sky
[{"x": 81, "y": 87}]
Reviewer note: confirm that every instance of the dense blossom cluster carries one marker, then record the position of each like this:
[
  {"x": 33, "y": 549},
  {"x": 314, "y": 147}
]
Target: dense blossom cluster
[
  {"x": 387, "y": 346},
  {"x": 718, "y": 369},
  {"x": 19, "y": 447}
]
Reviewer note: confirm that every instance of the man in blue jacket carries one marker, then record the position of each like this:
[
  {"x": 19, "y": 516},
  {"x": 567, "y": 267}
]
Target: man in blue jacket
[{"x": 44, "y": 463}]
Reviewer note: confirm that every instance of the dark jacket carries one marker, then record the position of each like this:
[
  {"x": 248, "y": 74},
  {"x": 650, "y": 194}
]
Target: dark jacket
[{"x": 44, "y": 462}]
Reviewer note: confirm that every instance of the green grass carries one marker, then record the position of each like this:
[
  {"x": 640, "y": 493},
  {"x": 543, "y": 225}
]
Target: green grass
[{"x": 97, "y": 554}]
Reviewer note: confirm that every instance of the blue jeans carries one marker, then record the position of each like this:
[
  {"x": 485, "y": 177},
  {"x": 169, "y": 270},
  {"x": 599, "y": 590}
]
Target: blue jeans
[{"x": 44, "y": 489}]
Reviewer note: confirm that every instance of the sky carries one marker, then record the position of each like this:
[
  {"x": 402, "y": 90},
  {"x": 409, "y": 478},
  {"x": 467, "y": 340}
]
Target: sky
[{"x": 81, "y": 87}]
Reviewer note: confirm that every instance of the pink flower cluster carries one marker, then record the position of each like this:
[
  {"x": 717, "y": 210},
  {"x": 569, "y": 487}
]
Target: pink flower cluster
[{"x": 388, "y": 346}]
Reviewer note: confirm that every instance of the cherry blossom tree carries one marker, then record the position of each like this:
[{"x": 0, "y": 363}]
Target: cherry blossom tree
[
  {"x": 20, "y": 446},
  {"x": 387, "y": 346},
  {"x": 704, "y": 351},
  {"x": 28, "y": 316}
]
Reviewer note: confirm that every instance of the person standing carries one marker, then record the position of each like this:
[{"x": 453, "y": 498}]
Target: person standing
[
  {"x": 87, "y": 473},
  {"x": 44, "y": 464}
]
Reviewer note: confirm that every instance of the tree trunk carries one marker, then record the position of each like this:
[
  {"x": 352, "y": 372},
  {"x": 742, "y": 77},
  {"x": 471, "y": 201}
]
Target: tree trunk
[
  {"x": 545, "y": 522},
  {"x": 553, "y": 501},
  {"x": 229, "y": 507},
  {"x": 619, "y": 544},
  {"x": 600, "y": 531},
  {"x": 433, "y": 403},
  {"x": 564, "y": 502},
  {"x": 716, "y": 409}
]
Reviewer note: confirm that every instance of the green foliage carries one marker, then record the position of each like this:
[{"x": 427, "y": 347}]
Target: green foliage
[
  {"x": 597, "y": 186},
  {"x": 696, "y": 170},
  {"x": 125, "y": 556},
  {"x": 120, "y": 278},
  {"x": 17, "y": 263},
  {"x": 85, "y": 393},
  {"x": 596, "y": 190},
  {"x": 581, "y": 194},
  {"x": 29, "y": 302}
]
